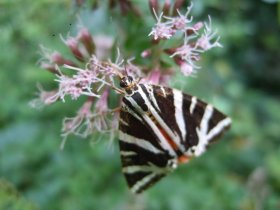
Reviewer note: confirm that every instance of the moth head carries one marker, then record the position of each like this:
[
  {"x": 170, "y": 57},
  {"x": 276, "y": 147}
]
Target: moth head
[{"x": 126, "y": 82}]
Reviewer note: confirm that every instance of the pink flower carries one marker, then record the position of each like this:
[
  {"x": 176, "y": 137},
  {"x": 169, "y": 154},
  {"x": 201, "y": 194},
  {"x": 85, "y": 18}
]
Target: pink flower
[
  {"x": 53, "y": 57},
  {"x": 85, "y": 78},
  {"x": 197, "y": 26},
  {"x": 133, "y": 70},
  {"x": 204, "y": 42},
  {"x": 101, "y": 105},
  {"x": 73, "y": 44},
  {"x": 68, "y": 86},
  {"x": 44, "y": 98},
  {"x": 162, "y": 30},
  {"x": 146, "y": 53},
  {"x": 187, "y": 53},
  {"x": 85, "y": 37},
  {"x": 154, "y": 77},
  {"x": 186, "y": 69},
  {"x": 157, "y": 77},
  {"x": 180, "y": 22},
  {"x": 82, "y": 82},
  {"x": 78, "y": 125}
]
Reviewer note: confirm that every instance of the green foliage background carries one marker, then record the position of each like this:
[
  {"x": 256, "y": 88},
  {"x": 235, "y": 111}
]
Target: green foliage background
[{"x": 243, "y": 78}]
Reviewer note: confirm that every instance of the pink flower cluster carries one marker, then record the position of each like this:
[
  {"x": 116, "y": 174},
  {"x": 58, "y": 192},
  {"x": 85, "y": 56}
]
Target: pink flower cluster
[
  {"x": 166, "y": 29},
  {"x": 195, "y": 42},
  {"x": 90, "y": 75}
]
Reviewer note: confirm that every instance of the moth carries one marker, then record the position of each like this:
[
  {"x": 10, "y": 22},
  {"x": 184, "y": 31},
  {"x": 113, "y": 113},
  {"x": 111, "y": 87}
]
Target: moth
[{"x": 160, "y": 128}]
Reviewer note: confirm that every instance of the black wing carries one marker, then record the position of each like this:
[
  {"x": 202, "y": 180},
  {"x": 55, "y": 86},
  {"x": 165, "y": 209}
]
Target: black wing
[
  {"x": 144, "y": 161},
  {"x": 196, "y": 122},
  {"x": 158, "y": 126}
]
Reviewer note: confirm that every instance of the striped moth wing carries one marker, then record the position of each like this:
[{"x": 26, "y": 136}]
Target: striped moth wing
[{"x": 161, "y": 127}]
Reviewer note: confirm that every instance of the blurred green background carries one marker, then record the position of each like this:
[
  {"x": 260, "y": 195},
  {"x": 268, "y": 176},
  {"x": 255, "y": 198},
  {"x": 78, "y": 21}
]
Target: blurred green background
[{"x": 243, "y": 79}]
